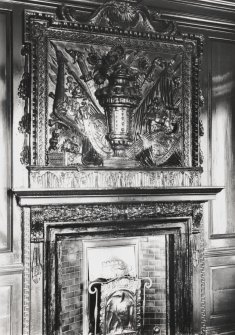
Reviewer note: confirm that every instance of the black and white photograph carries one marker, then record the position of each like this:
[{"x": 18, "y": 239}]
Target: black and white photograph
[{"x": 117, "y": 167}]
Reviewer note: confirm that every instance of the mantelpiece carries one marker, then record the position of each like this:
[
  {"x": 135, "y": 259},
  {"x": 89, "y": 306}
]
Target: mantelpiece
[
  {"x": 50, "y": 197},
  {"x": 53, "y": 216}
]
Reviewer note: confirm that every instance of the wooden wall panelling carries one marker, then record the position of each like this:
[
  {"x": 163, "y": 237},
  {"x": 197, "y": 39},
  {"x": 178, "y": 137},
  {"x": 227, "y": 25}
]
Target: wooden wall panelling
[
  {"x": 10, "y": 214},
  {"x": 221, "y": 229},
  {"x": 223, "y": 134},
  {"x": 220, "y": 225},
  {"x": 220, "y": 290},
  {"x": 5, "y": 130},
  {"x": 5, "y": 309},
  {"x": 11, "y": 303},
  {"x": 11, "y": 267}
]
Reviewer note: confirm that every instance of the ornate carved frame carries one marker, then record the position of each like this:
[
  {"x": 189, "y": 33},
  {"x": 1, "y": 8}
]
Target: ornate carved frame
[{"x": 41, "y": 29}]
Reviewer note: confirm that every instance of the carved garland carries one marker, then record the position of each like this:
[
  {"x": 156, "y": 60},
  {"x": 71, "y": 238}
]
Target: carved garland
[{"x": 24, "y": 93}]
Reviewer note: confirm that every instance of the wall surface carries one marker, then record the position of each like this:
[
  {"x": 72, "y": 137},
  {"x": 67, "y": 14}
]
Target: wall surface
[{"x": 216, "y": 21}]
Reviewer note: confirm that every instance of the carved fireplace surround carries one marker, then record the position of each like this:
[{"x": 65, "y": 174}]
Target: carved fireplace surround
[
  {"x": 52, "y": 216},
  {"x": 112, "y": 220}
]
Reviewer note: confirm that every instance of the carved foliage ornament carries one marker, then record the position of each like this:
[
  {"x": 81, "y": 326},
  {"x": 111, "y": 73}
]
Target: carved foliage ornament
[
  {"x": 118, "y": 89},
  {"x": 111, "y": 212}
]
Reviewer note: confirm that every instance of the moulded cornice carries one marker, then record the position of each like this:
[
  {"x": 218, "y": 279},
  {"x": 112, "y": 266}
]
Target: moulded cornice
[
  {"x": 44, "y": 197},
  {"x": 207, "y": 4},
  {"x": 215, "y": 4},
  {"x": 206, "y": 14}
]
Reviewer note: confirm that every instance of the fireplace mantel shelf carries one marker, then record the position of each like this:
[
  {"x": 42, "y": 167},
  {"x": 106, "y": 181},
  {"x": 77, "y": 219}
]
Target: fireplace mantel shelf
[{"x": 48, "y": 197}]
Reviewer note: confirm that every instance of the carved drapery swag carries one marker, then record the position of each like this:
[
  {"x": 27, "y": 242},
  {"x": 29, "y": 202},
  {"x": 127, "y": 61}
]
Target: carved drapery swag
[{"x": 117, "y": 89}]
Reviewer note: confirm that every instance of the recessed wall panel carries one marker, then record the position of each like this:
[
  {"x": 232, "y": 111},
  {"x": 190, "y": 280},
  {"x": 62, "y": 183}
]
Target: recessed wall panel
[
  {"x": 5, "y": 310},
  {"x": 5, "y": 130},
  {"x": 223, "y": 290},
  {"x": 223, "y": 134}
]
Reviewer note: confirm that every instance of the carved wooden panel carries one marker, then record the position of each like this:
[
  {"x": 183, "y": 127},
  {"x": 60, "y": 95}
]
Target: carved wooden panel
[{"x": 110, "y": 91}]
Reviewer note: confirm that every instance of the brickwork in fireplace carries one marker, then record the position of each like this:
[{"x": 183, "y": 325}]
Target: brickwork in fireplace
[
  {"x": 152, "y": 263},
  {"x": 71, "y": 297}
]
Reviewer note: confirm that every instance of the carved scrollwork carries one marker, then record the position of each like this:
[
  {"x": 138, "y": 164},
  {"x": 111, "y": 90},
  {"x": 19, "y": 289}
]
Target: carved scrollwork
[{"x": 125, "y": 14}]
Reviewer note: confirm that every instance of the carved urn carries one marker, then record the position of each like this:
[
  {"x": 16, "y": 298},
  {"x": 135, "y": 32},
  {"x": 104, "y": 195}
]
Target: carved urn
[{"x": 119, "y": 99}]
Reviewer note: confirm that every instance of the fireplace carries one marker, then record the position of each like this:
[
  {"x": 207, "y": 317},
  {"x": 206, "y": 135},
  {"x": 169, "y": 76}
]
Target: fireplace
[
  {"x": 113, "y": 231},
  {"x": 119, "y": 262}
]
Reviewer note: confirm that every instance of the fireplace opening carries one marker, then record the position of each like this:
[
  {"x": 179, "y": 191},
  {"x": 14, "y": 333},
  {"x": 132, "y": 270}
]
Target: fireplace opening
[
  {"x": 106, "y": 263},
  {"x": 115, "y": 286},
  {"x": 121, "y": 282}
]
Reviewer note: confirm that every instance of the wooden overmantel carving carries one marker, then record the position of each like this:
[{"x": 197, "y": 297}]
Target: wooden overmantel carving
[{"x": 112, "y": 99}]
